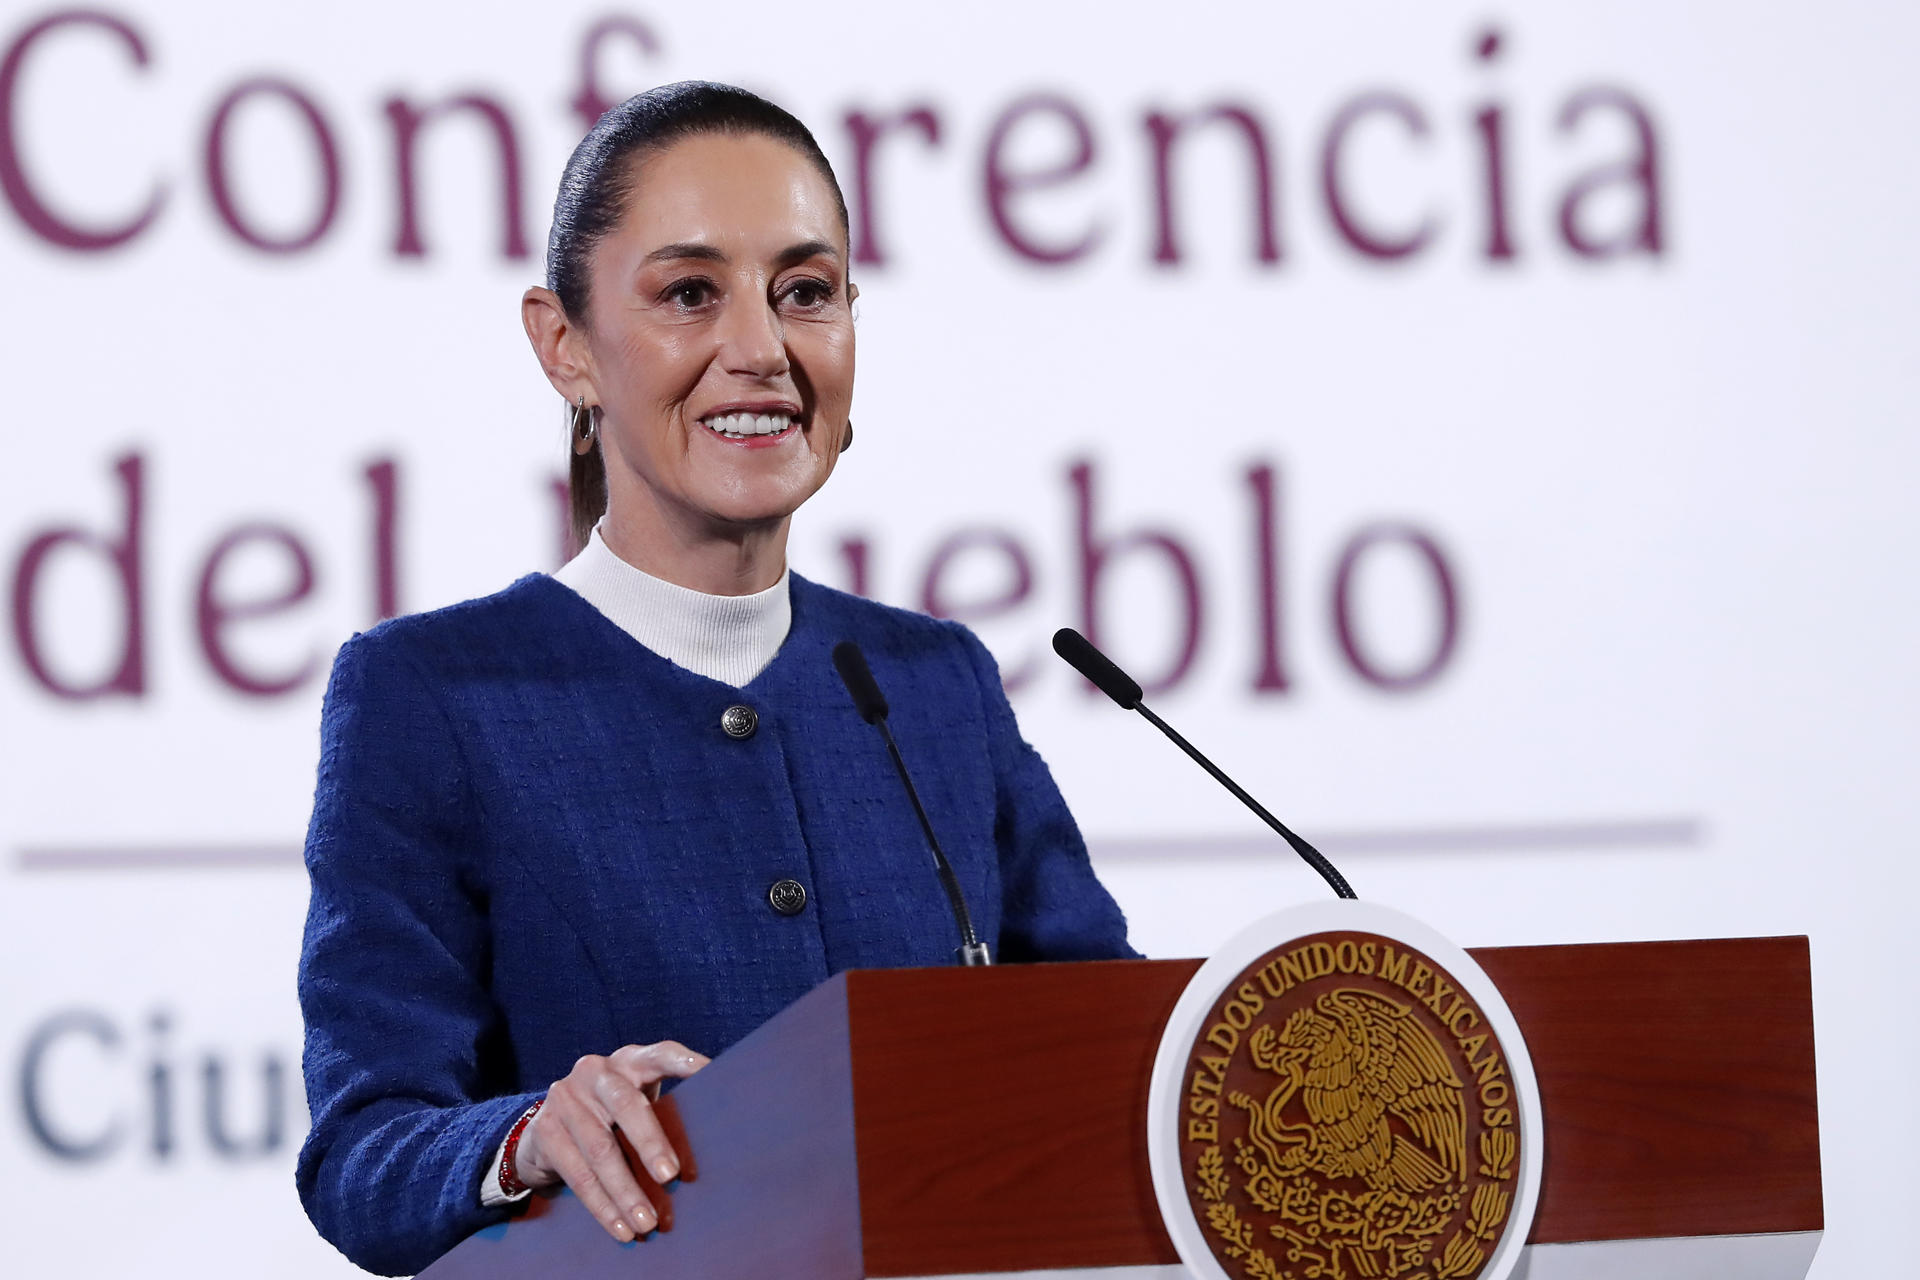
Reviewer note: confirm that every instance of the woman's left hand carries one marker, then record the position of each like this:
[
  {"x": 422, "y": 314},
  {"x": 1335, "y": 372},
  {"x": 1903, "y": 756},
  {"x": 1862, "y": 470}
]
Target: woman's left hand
[{"x": 573, "y": 1139}]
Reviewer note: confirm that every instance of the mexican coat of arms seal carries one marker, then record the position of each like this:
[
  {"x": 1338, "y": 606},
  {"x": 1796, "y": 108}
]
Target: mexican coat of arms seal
[{"x": 1352, "y": 1101}]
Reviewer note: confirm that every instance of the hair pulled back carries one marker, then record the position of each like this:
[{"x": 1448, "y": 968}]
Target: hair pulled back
[{"x": 596, "y": 188}]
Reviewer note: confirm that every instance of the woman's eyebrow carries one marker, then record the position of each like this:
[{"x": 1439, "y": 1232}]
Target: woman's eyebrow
[
  {"x": 804, "y": 250},
  {"x": 686, "y": 249}
]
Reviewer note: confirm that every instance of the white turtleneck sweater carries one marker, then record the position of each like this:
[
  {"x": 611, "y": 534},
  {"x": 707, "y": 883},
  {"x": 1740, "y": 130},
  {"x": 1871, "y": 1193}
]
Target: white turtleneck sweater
[{"x": 726, "y": 638}]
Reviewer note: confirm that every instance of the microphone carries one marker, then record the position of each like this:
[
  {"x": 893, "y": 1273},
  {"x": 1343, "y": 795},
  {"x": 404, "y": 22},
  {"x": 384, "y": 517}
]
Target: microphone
[
  {"x": 1125, "y": 690},
  {"x": 858, "y": 677},
  {"x": 872, "y": 706}
]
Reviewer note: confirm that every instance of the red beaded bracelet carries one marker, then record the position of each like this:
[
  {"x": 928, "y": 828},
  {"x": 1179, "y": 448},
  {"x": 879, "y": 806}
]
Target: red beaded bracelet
[{"x": 509, "y": 1178}]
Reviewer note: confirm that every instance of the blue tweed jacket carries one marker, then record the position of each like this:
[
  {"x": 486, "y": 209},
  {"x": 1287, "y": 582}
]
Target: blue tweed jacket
[{"x": 532, "y": 840}]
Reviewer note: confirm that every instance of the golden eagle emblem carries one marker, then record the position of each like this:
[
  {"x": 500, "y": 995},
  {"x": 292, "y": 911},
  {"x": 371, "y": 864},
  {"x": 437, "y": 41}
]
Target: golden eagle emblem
[
  {"x": 1357, "y": 1061},
  {"x": 1347, "y": 1119}
]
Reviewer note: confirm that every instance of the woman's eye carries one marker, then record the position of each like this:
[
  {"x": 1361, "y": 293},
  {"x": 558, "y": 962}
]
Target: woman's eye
[
  {"x": 690, "y": 293},
  {"x": 810, "y": 293}
]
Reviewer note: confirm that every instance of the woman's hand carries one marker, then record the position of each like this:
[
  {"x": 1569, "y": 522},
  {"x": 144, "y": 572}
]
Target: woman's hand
[{"x": 571, "y": 1138}]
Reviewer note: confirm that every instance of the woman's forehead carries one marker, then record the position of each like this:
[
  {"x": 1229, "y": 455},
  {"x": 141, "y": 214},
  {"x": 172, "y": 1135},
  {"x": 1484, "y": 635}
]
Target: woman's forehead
[{"x": 745, "y": 195}]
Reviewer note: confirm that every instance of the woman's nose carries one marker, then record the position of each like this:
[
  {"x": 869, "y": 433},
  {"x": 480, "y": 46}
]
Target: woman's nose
[{"x": 753, "y": 340}]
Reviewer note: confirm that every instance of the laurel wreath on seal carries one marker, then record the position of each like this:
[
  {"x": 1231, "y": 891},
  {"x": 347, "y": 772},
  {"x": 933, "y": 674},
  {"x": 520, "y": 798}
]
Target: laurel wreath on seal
[
  {"x": 1461, "y": 1256},
  {"x": 1496, "y": 1153},
  {"x": 1236, "y": 1235},
  {"x": 1212, "y": 1172},
  {"x": 1489, "y": 1208}
]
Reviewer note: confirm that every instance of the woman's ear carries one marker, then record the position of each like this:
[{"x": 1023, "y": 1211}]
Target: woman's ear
[{"x": 560, "y": 344}]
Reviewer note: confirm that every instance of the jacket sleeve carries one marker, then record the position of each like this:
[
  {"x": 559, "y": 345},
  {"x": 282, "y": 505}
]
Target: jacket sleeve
[
  {"x": 393, "y": 976},
  {"x": 1052, "y": 906}
]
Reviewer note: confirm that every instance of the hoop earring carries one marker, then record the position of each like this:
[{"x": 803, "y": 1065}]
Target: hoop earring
[
  {"x": 846, "y": 441},
  {"x": 582, "y": 427}
]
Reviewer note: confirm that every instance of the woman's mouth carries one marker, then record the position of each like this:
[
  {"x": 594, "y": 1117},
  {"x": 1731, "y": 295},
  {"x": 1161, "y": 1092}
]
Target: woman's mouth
[{"x": 751, "y": 428}]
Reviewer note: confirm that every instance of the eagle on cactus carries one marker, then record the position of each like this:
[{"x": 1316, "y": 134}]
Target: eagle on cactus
[{"x": 1379, "y": 1101}]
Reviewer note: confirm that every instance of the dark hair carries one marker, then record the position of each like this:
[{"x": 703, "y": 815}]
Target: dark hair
[{"x": 594, "y": 192}]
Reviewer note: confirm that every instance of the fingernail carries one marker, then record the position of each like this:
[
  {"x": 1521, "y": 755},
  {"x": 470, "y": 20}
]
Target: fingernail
[
  {"x": 665, "y": 1168},
  {"x": 644, "y": 1218},
  {"x": 621, "y": 1231}
]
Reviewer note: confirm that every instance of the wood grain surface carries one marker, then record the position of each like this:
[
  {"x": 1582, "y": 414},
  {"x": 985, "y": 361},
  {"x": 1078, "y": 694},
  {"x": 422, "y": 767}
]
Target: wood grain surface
[
  {"x": 1678, "y": 1084},
  {"x": 1000, "y": 1113}
]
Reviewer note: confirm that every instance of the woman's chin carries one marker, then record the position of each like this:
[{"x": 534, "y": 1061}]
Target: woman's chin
[
  {"x": 762, "y": 486},
  {"x": 761, "y": 501}
]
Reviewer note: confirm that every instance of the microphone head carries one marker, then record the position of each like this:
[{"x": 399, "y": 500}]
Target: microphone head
[
  {"x": 1097, "y": 667},
  {"x": 852, "y": 666}
]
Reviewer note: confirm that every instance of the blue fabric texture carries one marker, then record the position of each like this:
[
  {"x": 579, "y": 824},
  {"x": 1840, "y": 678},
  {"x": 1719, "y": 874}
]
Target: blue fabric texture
[{"x": 532, "y": 840}]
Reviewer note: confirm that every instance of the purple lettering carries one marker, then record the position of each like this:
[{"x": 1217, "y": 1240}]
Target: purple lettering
[
  {"x": 1491, "y": 122},
  {"x": 408, "y": 120},
  {"x": 1004, "y": 184},
  {"x": 1446, "y": 634},
  {"x": 123, "y": 554},
  {"x": 214, "y": 614},
  {"x": 1374, "y": 244},
  {"x": 1165, "y": 129},
  {"x": 590, "y": 104},
  {"x": 1272, "y": 676},
  {"x": 219, "y": 183},
  {"x": 1018, "y": 586},
  {"x": 856, "y": 552},
  {"x": 383, "y": 480},
  {"x": 33, "y": 211},
  {"x": 1097, "y": 554},
  {"x": 1641, "y": 171},
  {"x": 866, "y": 132}
]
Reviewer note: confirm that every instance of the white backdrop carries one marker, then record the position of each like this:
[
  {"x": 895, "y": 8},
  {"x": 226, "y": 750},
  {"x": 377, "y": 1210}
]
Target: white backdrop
[{"x": 1664, "y": 456}]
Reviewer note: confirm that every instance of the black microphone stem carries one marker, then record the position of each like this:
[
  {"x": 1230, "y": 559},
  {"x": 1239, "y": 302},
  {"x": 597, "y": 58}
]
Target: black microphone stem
[
  {"x": 972, "y": 951},
  {"x": 872, "y": 706},
  {"x": 1310, "y": 854}
]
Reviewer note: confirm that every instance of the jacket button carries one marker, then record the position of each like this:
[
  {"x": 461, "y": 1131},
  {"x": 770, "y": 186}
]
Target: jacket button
[
  {"x": 788, "y": 897},
  {"x": 739, "y": 721}
]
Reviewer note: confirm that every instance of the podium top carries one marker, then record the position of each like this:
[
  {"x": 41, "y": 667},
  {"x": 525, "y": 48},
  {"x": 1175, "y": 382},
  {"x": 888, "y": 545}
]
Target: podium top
[{"x": 962, "y": 1121}]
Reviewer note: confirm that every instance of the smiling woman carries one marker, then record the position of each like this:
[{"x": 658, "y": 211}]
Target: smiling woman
[
  {"x": 556, "y": 826},
  {"x": 716, "y": 351},
  {"x": 697, "y": 293}
]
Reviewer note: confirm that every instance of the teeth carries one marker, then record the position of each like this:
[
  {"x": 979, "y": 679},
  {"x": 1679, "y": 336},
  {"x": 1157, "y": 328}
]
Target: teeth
[{"x": 741, "y": 425}]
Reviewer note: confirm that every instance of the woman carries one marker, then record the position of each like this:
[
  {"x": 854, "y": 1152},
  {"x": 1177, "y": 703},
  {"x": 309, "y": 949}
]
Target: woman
[{"x": 565, "y": 831}]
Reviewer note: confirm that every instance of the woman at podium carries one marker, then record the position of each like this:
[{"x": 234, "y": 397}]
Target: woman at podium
[{"x": 571, "y": 837}]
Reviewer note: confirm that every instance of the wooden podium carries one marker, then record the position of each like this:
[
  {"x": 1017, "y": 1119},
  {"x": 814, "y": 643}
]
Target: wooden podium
[{"x": 973, "y": 1122}]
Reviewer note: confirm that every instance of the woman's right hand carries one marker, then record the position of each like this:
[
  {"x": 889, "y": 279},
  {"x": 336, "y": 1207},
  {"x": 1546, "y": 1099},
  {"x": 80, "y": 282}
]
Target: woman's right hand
[{"x": 571, "y": 1139}]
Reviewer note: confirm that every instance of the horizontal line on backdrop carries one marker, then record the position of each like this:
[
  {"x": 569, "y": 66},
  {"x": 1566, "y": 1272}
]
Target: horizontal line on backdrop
[
  {"x": 150, "y": 857},
  {"x": 1640, "y": 833},
  {"x": 1632, "y": 833}
]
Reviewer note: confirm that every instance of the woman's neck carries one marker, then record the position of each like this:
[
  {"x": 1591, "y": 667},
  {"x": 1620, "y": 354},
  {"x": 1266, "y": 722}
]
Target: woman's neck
[{"x": 720, "y": 561}]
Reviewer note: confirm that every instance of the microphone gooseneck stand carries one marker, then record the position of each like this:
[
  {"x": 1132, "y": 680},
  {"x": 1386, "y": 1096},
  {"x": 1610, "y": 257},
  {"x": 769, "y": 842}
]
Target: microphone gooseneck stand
[
  {"x": 1106, "y": 676},
  {"x": 872, "y": 706}
]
